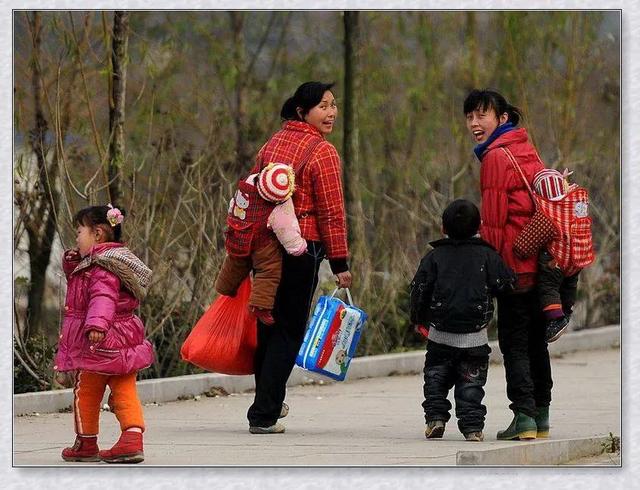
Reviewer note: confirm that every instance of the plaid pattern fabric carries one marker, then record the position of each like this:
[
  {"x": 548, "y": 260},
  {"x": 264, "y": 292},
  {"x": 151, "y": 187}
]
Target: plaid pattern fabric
[
  {"x": 249, "y": 232},
  {"x": 121, "y": 261},
  {"x": 318, "y": 198},
  {"x": 572, "y": 248}
]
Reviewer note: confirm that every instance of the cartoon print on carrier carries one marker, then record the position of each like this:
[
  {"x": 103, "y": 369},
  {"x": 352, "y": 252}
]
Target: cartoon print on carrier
[{"x": 239, "y": 203}]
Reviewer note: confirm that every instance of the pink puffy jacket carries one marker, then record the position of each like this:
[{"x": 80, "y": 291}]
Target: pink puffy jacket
[{"x": 97, "y": 300}]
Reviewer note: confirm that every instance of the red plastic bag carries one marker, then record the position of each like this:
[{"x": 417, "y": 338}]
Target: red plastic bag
[{"x": 224, "y": 339}]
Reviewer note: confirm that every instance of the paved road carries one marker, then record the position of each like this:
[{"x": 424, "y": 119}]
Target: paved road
[{"x": 376, "y": 421}]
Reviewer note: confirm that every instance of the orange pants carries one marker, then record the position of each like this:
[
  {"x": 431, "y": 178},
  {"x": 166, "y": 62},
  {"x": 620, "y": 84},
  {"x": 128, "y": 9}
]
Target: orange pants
[{"x": 87, "y": 396}]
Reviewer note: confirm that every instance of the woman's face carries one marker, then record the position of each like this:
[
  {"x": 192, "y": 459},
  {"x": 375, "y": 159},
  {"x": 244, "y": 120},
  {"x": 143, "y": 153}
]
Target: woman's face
[
  {"x": 482, "y": 122},
  {"x": 323, "y": 116}
]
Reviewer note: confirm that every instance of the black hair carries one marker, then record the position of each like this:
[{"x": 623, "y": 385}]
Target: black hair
[
  {"x": 486, "y": 99},
  {"x": 97, "y": 215},
  {"x": 461, "y": 219},
  {"x": 307, "y": 96}
]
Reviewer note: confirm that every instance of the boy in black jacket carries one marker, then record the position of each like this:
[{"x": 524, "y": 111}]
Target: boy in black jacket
[{"x": 452, "y": 293}]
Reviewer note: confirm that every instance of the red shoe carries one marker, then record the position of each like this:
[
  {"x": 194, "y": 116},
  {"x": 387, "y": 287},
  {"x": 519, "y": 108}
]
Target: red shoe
[
  {"x": 84, "y": 450},
  {"x": 263, "y": 315},
  {"x": 128, "y": 449}
]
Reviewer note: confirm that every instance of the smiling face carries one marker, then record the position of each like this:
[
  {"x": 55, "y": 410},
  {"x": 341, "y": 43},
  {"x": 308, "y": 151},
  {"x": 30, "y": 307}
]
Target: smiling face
[
  {"x": 323, "y": 116},
  {"x": 482, "y": 122}
]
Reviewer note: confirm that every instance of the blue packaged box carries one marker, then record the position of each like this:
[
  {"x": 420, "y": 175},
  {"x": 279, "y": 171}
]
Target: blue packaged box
[{"x": 332, "y": 337}]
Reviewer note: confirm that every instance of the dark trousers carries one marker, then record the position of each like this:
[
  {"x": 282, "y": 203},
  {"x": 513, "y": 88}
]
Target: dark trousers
[
  {"x": 278, "y": 344},
  {"x": 447, "y": 367},
  {"x": 521, "y": 337},
  {"x": 553, "y": 287}
]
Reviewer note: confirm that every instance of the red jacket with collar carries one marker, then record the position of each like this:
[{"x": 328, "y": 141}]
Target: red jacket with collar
[
  {"x": 507, "y": 205},
  {"x": 318, "y": 198}
]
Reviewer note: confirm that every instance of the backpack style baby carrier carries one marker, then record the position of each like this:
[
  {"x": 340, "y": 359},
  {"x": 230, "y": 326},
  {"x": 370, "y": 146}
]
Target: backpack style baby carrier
[{"x": 561, "y": 221}]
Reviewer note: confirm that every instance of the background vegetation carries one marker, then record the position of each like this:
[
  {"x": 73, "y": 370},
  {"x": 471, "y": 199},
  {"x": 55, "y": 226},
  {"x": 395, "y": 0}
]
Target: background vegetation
[{"x": 162, "y": 112}]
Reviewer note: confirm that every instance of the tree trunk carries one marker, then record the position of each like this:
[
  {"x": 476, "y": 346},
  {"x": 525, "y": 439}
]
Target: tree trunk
[
  {"x": 240, "y": 117},
  {"x": 355, "y": 214},
  {"x": 119, "y": 42},
  {"x": 41, "y": 223}
]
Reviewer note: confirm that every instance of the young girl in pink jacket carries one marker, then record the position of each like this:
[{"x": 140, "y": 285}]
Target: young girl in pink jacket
[{"x": 102, "y": 342}]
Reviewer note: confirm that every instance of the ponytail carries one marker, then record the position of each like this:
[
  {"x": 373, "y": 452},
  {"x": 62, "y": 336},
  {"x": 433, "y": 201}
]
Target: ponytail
[
  {"x": 490, "y": 99},
  {"x": 307, "y": 96}
]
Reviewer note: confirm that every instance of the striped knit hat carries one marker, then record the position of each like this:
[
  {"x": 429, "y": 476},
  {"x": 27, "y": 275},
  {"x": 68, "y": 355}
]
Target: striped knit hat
[
  {"x": 550, "y": 183},
  {"x": 276, "y": 182}
]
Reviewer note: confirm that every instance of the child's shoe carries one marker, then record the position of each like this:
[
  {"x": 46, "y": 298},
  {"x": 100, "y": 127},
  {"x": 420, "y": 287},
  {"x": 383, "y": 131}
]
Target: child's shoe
[
  {"x": 128, "y": 449},
  {"x": 263, "y": 315},
  {"x": 474, "y": 436},
  {"x": 434, "y": 429},
  {"x": 555, "y": 328},
  {"x": 84, "y": 450}
]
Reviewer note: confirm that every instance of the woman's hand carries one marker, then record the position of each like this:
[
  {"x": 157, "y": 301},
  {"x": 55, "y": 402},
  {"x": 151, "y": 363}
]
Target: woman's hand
[
  {"x": 95, "y": 336},
  {"x": 343, "y": 279}
]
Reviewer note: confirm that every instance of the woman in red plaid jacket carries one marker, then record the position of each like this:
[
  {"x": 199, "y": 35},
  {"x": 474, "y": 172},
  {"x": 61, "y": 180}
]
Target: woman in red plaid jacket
[
  {"x": 506, "y": 208},
  {"x": 319, "y": 204}
]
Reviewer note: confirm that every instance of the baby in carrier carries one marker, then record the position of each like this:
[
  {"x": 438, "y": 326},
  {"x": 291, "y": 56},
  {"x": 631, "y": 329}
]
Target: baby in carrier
[{"x": 261, "y": 207}]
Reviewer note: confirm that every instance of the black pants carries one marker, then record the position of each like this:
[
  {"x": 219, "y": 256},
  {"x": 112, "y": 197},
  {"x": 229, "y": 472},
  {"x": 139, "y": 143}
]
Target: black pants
[
  {"x": 446, "y": 367},
  {"x": 278, "y": 344},
  {"x": 521, "y": 330},
  {"x": 553, "y": 287}
]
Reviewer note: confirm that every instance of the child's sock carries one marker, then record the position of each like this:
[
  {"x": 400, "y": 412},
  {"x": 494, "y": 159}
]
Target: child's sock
[
  {"x": 134, "y": 429},
  {"x": 553, "y": 311}
]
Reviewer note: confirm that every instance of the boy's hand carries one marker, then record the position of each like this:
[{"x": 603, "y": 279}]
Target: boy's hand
[
  {"x": 95, "y": 336},
  {"x": 422, "y": 331}
]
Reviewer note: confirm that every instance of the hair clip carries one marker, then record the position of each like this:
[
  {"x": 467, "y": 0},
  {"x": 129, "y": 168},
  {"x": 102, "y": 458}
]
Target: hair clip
[{"x": 114, "y": 216}]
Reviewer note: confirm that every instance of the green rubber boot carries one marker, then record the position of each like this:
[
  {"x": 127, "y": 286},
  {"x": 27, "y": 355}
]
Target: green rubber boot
[
  {"x": 522, "y": 427},
  {"x": 542, "y": 422}
]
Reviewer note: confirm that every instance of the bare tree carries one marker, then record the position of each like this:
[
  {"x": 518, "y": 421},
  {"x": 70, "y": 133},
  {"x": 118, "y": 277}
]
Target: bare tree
[
  {"x": 119, "y": 43},
  {"x": 40, "y": 220}
]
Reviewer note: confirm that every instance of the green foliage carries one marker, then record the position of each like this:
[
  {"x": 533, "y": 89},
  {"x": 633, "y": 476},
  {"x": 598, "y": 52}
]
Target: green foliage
[{"x": 189, "y": 97}]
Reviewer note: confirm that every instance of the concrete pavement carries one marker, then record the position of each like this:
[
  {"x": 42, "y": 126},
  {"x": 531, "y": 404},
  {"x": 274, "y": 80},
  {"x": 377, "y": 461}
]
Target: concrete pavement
[{"x": 374, "y": 421}]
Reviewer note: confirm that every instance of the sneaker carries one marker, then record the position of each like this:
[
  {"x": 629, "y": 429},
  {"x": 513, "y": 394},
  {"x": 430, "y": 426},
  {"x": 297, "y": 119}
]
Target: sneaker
[
  {"x": 276, "y": 428},
  {"x": 84, "y": 450},
  {"x": 263, "y": 315},
  {"x": 434, "y": 429},
  {"x": 284, "y": 411},
  {"x": 555, "y": 328},
  {"x": 474, "y": 436},
  {"x": 128, "y": 449}
]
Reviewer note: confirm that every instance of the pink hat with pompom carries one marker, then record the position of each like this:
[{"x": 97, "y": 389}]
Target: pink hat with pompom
[{"x": 276, "y": 182}]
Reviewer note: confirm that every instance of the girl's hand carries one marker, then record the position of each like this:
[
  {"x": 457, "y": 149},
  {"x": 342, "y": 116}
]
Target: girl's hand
[
  {"x": 72, "y": 254},
  {"x": 343, "y": 279},
  {"x": 95, "y": 336}
]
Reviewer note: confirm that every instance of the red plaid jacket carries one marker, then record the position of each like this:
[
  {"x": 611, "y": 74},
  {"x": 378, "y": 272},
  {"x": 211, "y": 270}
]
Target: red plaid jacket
[{"x": 318, "y": 198}]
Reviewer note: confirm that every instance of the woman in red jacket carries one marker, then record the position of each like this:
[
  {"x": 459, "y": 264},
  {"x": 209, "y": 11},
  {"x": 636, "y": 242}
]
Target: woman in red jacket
[
  {"x": 319, "y": 204},
  {"x": 506, "y": 208}
]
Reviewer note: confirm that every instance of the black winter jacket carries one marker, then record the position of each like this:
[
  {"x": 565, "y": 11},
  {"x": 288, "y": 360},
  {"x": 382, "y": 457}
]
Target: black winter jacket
[{"x": 454, "y": 286}]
